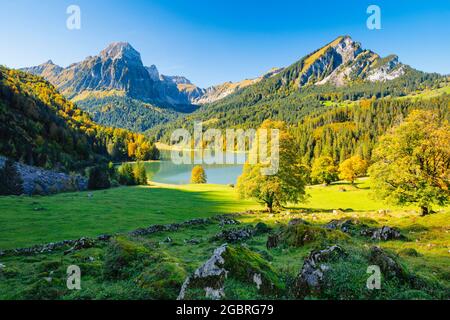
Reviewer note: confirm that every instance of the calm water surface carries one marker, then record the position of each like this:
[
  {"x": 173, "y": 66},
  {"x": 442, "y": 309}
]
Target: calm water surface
[{"x": 165, "y": 171}]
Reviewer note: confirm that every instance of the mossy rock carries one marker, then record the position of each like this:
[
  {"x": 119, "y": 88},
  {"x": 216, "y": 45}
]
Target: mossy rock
[
  {"x": 262, "y": 228},
  {"x": 248, "y": 266},
  {"x": 232, "y": 268},
  {"x": 122, "y": 256},
  {"x": 163, "y": 280},
  {"x": 410, "y": 252},
  {"x": 300, "y": 234}
]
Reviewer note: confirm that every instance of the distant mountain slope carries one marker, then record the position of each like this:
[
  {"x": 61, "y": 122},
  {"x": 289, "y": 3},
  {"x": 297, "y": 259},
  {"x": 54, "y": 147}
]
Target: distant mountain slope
[
  {"x": 38, "y": 126},
  {"x": 215, "y": 93},
  {"x": 339, "y": 71}
]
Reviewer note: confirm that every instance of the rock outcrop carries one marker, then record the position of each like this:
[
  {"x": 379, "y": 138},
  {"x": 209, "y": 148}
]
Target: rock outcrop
[
  {"x": 311, "y": 276},
  {"x": 37, "y": 181},
  {"x": 382, "y": 234},
  {"x": 388, "y": 265},
  {"x": 239, "y": 263},
  {"x": 234, "y": 235}
]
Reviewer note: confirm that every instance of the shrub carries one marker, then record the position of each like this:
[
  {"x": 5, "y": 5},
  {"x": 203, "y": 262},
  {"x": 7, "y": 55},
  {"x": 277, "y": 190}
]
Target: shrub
[
  {"x": 140, "y": 174},
  {"x": 126, "y": 175},
  {"x": 11, "y": 181},
  {"x": 98, "y": 178}
]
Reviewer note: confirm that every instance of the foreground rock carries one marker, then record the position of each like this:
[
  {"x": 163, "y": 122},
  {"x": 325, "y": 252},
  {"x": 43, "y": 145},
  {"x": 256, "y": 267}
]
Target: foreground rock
[
  {"x": 311, "y": 276},
  {"x": 239, "y": 263},
  {"x": 384, "y": 233},
  {"x": 300, "y": 234},
  {"x": 388, "y": 265},
  {"x": 234, "y": 235},
  {"x": 345, "y": 225}
]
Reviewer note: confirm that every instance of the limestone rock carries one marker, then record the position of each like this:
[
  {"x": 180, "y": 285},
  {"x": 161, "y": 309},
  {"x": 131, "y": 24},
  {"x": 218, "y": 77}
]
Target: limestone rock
[
  {"x": 388, "y": 265},
  {"x": 311, "y": 276},
  {"x": 383, "y": 233}
]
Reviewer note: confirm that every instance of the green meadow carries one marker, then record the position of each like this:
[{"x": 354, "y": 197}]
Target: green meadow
[
  {"x": 31, "y": 220},
  {"x": 26, "y": 221}
]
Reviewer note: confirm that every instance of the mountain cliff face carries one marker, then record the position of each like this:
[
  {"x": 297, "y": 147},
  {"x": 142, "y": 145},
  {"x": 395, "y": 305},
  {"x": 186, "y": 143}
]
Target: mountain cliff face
[
  {"x": 341, "y": 62},
  {"x": 117, "y": 70}
]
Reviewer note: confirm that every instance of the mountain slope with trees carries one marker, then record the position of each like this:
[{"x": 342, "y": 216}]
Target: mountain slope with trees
[{"x": 39, "y": 126}]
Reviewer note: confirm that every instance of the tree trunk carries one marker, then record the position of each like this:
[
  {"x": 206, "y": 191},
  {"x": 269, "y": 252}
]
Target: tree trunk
[
  {"x": 424, "y": 210},
  {"x": 270, "y": 207}
]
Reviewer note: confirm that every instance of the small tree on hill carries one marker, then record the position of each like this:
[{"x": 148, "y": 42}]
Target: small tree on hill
[
  {"x": 352, "y": 168},
  {"x": 324, "y": 171},
  {"x": 198, "y": 175},
  {"x": 411, "y": 163}
]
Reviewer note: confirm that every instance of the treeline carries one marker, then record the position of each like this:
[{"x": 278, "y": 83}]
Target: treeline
[
  {"x": 354, "y": 129},
  {"x": 127, "y": 113},
  {"x": 106, "y": 176},
  {"x": 39, "y": 127}
]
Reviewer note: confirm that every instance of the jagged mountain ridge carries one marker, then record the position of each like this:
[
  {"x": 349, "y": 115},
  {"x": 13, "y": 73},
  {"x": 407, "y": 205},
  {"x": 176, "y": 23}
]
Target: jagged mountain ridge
[
  {"x": 118, "y": 68},
  {"x": 118, "y": 74},
  {"x": 341, "y": 62}
]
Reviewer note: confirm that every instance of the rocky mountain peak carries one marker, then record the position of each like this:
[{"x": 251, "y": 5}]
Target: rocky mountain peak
[
  {"x": 154, "y": 73},
  {"x": 49, "y": 62},
  {"x": 120, "y": 50}
]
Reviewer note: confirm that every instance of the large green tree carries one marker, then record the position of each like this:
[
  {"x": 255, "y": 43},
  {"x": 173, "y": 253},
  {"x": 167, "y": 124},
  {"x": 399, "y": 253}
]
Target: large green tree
[
  {"x": 411, "y": 163},
  {"x": 324, "y": 170},
  {"x": 287, "y": 185}
]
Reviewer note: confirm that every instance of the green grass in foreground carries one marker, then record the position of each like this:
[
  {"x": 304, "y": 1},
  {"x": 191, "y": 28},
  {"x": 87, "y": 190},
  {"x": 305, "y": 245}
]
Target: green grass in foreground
[{"x": 25, "y": 221}]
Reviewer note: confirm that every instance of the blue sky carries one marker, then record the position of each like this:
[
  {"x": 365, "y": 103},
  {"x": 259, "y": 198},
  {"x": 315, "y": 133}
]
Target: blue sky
[{"x": 211, "y": 42}]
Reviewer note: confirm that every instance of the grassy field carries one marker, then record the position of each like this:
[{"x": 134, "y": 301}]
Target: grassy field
[{"x": 25, "y": 221}]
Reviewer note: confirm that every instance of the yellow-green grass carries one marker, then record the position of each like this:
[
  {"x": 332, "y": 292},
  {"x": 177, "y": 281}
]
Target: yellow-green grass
[
  {"x": 342, "y": 195},
  {"x": 26, "y": 221}
]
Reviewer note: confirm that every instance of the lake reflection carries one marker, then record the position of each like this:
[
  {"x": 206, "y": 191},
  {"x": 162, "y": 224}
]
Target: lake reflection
[{"x": 165, "y": 171}]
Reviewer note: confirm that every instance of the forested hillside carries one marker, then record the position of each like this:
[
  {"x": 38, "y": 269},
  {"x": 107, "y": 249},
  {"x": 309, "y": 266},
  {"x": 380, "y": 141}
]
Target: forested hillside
[
  {"x": 124, "y": 112},
  {"x": 38, "y": 126},
  {"x": 275, "y": 98},
  {"x": 354, "y": 129}
]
